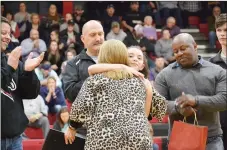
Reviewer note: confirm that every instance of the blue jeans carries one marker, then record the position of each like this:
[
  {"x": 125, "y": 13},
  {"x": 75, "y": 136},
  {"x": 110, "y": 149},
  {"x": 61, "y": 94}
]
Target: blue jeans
[
  {"x": 12, "y": 143},
  {"x": 155, "y": 146},
  {"x": 55, "y": 109},
  {"x": 216, "y": 144},
  {"x": 212, "y": 39}
]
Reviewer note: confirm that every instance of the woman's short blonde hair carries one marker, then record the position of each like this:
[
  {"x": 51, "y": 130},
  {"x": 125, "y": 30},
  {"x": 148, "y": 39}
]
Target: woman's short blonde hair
[{"x": 114, "y": 52}]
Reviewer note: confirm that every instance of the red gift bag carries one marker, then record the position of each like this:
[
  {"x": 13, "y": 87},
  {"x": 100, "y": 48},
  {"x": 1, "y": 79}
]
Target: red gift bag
[{"x": 186, "y": 136}]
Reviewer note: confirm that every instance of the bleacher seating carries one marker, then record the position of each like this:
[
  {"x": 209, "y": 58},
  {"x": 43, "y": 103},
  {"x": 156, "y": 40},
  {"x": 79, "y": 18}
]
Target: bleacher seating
[
  {"x": 194, "y": 20},
  {"x": 33, "y": 144},
  {"x": 35, "y": 133}
]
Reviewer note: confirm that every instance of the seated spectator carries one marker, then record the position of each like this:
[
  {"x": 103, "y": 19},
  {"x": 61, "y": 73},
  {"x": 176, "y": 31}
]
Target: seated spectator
[
  {"x": 190, "y": 8},
  {"x": 148, "y": 30},
  {"x": 211, "y": 5},
  {"x": 172, "y": 27},
  {"x": 33, "y": 44},
  {"x": 70, "y": 38},
  {"x": 64, "y": 26},
  {"x": 160, "y": 64},
  {"x": 151, "y": 9},
  {"x": 116, "y": 33},
  {"x": 22, "y": 17},
  {"x": 35, "y": 24},
  {"x": 137, "y": 39},
  {"x": 62, "y": 120},
  {"x": 133, "y": 17},
  {"x": 44, "y": 71},
  {"x": 53, "y": 20},
  {"x": 70, "y": 53},
  {"x": 79, "y": 16},
  {"x": 54, "y": 36},
  {"x": 15, "y": 33},
  {"x": 211, "y": 26},
  {"x": 14, "y": 26},
  {"x": 3, "y": 11},
  {"x": 170, "y": 8},
  {"x": 54, "y": 57},
  {"x": 37, "y": 112},
  {"x": 163, "y": 47},
  {"x": 53, "y": 96},
  {"x": 108, "y": 18}
]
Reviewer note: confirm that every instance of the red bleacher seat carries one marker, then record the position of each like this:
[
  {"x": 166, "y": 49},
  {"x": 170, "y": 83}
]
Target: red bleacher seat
[
  {"x": 218, "y": 45},
  {"x": 193, "y": 20},
  {"x": 159, "y": 35},
  {"x": 203, "y": 28},
  {"x": 52, "y": 118},
  {"x": 165, "y": 120},
  {"x": 158, "y": 141},
  {"x": 69, "y": 104},
  {"x": 33, "y": 144},
  {"x": 35, "y": 133}
]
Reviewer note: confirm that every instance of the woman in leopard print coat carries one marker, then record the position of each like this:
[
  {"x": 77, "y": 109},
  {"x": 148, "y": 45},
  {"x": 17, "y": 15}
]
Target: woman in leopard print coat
[{"x": 111, "y": 106}]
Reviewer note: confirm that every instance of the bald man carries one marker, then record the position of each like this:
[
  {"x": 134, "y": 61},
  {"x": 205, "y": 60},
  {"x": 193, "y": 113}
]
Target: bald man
[
  {"x": 76, "y": 71},
  {"x": 33, "y": 44},
  {"x": 172, "y": 27},
  {"x": 203, "y": 85}
]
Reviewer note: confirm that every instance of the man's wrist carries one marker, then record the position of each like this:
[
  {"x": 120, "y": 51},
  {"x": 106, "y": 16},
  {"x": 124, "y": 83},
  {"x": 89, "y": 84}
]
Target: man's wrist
[{"x": 196, "y": 102}]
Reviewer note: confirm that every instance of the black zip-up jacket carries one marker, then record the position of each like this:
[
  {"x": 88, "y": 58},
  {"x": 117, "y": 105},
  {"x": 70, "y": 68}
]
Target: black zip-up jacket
[
  {"x": 76, "y": 72},
  {"x": 15, "y": 86}
]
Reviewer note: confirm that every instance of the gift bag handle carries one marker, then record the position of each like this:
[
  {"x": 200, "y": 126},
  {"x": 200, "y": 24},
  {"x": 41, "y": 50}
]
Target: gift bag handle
[{"x": 195, "y": 120}]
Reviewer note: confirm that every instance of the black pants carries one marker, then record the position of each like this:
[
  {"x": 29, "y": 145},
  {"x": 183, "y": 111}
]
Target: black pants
[{"x": 225, "y": 137}]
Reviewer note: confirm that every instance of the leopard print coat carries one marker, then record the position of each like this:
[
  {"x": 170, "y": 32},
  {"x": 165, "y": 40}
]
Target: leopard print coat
[{"x": 113, "y": 113}]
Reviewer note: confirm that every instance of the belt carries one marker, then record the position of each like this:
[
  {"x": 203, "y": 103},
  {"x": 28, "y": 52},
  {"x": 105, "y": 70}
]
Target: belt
[{"x": 211, "y": 139}]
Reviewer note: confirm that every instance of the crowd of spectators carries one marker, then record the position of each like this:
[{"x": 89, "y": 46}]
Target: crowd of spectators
[{"x": 134, "y": 23}]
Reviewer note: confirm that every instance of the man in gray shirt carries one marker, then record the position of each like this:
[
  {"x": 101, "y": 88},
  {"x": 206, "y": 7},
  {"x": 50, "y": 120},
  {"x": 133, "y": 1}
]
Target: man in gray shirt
[{"x": 203, "y": 85}]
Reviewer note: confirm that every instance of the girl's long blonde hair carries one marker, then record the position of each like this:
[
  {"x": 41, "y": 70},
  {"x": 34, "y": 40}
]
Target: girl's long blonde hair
[{"x": 114, "y": 52}]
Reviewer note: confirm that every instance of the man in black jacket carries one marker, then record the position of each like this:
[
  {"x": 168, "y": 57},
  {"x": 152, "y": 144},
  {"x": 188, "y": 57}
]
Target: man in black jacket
[
  {"x": 18, "y": 81},
  {"x": 76, "y": 71},
  {"x": 221, "y": 60}
]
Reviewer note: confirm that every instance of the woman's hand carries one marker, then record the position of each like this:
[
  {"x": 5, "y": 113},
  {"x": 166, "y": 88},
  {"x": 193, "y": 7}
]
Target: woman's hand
[
  {"x": 70, "y": 135},
  {"x": 134, "y": 71}
]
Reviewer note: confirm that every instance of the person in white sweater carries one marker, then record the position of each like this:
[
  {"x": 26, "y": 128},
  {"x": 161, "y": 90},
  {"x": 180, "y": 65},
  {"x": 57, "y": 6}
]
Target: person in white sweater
[
  {"x": 22, "y": 17},
  {"x": 116, "y": 33},
  {"x": 37, "y": 112}
]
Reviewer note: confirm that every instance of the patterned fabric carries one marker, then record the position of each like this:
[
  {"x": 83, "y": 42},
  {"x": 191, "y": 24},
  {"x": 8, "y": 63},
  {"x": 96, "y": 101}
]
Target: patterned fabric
[
  {"x": 159, "y": 106},
  {"x": 191, "y": 6},
  {"x": 113, "y": 113}
]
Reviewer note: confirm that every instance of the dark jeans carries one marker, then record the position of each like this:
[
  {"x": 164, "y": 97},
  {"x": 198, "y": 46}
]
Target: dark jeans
[
  {"x": 12, "y": 143},
  {"x": 216, "y": 144},
  {"x": 176, "y": 13}
]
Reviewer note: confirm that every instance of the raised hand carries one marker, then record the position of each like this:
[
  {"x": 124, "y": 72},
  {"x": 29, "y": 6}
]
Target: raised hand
[
  {"x": 14, "y": 56},
  {"x": 32, "y": 63}
]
